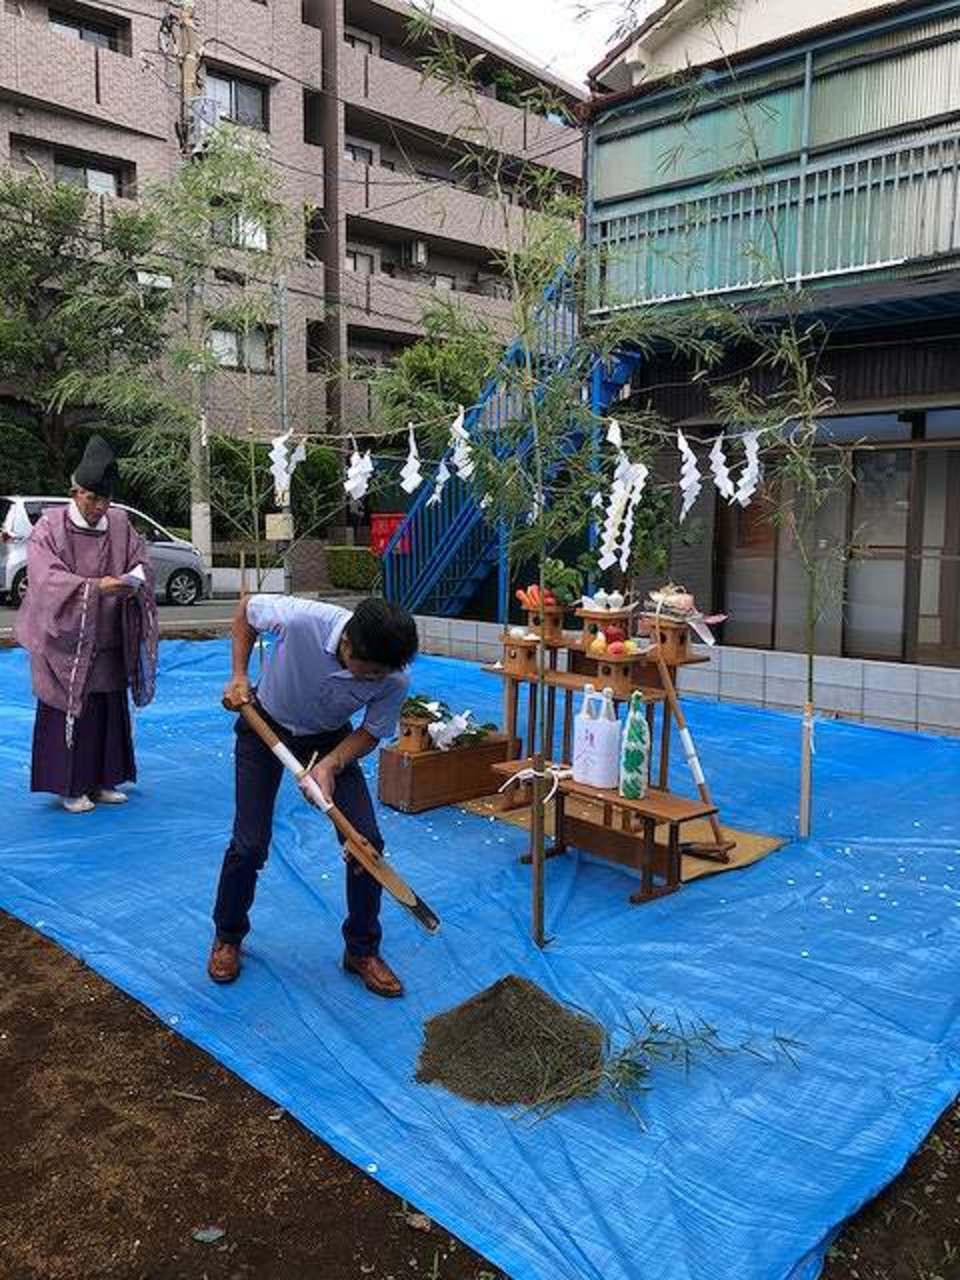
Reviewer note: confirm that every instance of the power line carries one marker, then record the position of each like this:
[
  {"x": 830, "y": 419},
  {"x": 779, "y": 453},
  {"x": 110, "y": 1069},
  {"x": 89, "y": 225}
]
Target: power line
[
  {"x": 414, "y": 130},
  {"x": 501, "y": 35},
  {"x": 323, "y": 296}
]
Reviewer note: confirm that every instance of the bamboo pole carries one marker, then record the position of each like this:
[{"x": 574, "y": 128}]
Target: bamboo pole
[
  {"x": 723, "y": 845},
  {"x": 806, "y": 772}
]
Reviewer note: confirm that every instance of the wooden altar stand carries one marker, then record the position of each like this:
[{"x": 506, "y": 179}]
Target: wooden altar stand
[{"x": 650, "y": 672}]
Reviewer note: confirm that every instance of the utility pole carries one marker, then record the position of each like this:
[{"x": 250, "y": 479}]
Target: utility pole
[
  {"x": 283, "y": 379},
  {"x": 191, "y": 86}
]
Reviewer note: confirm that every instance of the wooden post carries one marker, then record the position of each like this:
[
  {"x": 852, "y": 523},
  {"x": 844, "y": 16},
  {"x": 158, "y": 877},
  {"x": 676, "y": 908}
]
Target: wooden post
[
  {"x": 568, "y": 726},
  {"x": 537, "y": 851}
]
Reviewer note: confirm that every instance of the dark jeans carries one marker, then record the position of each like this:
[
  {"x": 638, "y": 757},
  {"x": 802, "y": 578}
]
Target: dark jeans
[{"x": 258, "y": 774}]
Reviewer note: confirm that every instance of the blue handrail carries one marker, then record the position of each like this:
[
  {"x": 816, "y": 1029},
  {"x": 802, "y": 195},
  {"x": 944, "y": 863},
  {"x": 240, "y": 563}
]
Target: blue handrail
[{"x": 448, "y": 548}]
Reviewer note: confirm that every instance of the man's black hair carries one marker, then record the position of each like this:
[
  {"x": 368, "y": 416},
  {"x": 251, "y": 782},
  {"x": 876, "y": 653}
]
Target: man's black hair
[{"x": 383, "y": 633}]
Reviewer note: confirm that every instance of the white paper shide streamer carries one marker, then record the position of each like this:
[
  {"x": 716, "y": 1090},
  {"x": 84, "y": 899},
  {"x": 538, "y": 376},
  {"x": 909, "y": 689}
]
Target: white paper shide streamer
[
  {"x": 721, "y": 471},
  {"x": 750, "y": 475},
  {"x": 411, "y": 477},
  {"x": 616, "y": 510},
  {"x": 283, "y": 463},
  {"x": 440, "y": 483},
  {"x": 637, "y": 481},
  {"x": 358, "y": 473},
  {"x": 444, "y": 733},
  {"x": 461, "y": 459},
  {"x": 629, "y": 479},
  {"x": 690, "y": 484}
]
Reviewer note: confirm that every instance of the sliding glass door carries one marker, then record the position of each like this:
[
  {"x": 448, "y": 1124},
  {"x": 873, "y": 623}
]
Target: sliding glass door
[
  {"x": 877, "y": 570},
  {"x": 900, "y": 518},
  {"x": 938, "y": 620}
]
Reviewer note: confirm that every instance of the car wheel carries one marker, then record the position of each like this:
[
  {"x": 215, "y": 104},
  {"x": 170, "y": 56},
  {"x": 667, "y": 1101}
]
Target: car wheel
[
  {"x": 183, "y": 587},
  {"x": 19, "y": 589}
]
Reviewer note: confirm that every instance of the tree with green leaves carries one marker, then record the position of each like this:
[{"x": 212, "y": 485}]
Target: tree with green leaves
[
  {"x": 83, "y": 326},
  {"x": 537, "y": 452}
]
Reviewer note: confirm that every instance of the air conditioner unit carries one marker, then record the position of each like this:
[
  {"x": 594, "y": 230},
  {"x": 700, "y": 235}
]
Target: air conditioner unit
[
  {"x": 204, "y": 116},
  {"x": 414, "y": 253}
]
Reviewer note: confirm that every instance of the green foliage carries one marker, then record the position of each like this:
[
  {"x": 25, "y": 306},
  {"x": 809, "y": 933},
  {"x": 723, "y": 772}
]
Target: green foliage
[
  {"x": 66, "y": 281},
  {"x": 427, "y": 381},
  {"x": 423, "y": 707},
  {"x": 565, "y": 581},
  {"x": 24, "y": 463},
  {"x": 353, "y": 568},
  {"x": 656, "y": 531},
  {"x": 506, "y": 85},
  {"x": 240, "y": 483},
  {"x": 315, "y": 494}
]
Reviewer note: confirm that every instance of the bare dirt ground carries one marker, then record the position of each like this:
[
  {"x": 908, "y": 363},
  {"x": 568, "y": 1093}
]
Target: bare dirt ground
[{"x": 120, "y": 1141}]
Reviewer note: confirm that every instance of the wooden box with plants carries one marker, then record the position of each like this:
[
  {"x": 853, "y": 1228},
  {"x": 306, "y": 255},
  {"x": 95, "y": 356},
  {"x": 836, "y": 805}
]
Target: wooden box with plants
[{"x": 440, "y": 758}]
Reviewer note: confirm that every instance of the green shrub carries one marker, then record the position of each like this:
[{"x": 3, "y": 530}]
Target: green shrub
[
  {"x": 316, "y": 493},
  {"x": 24, "y": 464},
  {"x": 353, "y": 568}
]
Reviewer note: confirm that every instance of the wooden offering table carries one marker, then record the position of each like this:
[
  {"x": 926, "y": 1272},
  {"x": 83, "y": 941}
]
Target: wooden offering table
[
  {"x": 623, "y": 831},
  {"x": 649, "y": 668}
]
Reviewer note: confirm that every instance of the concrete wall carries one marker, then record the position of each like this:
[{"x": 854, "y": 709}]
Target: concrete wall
[{"x": 888, "y": 694}]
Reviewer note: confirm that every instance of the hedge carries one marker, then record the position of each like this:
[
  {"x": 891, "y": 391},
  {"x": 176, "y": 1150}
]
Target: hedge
[{"x": 355, "y": 568}]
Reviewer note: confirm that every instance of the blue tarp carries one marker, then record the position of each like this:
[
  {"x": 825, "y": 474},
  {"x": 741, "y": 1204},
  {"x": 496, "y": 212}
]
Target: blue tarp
[{"x": 847, "y": 943}]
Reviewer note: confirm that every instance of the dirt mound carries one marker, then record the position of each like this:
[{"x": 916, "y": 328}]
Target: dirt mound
[{"x": 512, "y": 1043}]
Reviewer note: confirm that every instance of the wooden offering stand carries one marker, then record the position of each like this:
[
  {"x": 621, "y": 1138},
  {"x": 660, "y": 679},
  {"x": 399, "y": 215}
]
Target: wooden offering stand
[
  {"x": 414, "y": 735},
  {"x": 623, "y": 831},
  {"x": 650, "y": 671}
]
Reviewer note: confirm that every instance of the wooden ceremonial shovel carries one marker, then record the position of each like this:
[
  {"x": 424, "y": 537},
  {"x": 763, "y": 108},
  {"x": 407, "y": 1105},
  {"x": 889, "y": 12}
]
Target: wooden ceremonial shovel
[{"x": 357, "y": 846}]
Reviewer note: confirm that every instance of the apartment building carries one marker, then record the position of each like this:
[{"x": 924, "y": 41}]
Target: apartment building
[
  {"x": 90, "y": 93},
  {"x": 855, "y": 121}
]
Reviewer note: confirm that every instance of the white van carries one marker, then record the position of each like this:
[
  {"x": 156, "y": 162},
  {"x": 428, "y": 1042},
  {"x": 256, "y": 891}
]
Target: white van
[{"x": 182, "y": 576}]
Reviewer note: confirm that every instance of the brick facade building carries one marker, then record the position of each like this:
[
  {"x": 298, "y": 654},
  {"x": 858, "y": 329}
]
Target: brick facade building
[{"x": 90, "y": 93}]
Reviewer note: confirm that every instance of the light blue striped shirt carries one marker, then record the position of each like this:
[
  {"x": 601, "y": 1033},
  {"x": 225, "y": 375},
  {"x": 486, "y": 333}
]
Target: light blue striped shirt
[{"x": 303, "y": 686}]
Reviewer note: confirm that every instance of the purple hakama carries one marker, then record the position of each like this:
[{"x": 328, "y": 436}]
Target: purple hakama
[{"x": 102, "y": 753}]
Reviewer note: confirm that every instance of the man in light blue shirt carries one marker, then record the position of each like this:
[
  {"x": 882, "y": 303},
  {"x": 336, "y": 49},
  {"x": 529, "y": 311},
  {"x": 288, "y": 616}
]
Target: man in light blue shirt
[{"x": 327, "y": 666}]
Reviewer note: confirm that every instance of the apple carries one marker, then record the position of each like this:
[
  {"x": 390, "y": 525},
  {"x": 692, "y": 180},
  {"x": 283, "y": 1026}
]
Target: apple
[
  {"x": 617, "y": 649},
  {"x": 614, "y": 633}
]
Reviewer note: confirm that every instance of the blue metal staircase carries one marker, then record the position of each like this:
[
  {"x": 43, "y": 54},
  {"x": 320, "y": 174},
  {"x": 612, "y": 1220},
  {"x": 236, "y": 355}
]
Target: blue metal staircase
[{"x": 443, "y": 553}]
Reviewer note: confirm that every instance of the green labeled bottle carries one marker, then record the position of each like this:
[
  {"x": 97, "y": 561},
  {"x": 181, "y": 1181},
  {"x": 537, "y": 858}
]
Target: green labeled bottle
[{"x": 635, "y": 753}]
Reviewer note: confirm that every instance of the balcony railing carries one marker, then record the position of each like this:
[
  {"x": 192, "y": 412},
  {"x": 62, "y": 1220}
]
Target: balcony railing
[
  {"x": 403, "y": 93},
  {"x": 427, "y": 209},
  {"x": 880, "y": 211},
  {"x": 72, "y": 75},
  {"x": 399, "y": 304}
]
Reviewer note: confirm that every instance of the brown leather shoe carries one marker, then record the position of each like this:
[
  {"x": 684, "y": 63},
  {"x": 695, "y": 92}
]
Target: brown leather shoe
[
  {"x": 376, "y": 974},
  {"x": 224, "y": 962}
]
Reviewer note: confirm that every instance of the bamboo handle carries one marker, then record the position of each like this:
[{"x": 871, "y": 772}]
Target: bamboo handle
[{"x": 357, "y": 846}]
